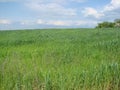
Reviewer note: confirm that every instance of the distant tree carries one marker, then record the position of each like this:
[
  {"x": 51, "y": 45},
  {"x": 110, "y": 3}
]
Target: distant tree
[
  {"x": 115, "y": 24},
  {"x": 106, "y": 25}
]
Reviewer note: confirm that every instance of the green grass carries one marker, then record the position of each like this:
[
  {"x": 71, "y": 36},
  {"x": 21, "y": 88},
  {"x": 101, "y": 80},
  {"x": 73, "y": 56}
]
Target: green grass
[{"x": 66, "y": 59}]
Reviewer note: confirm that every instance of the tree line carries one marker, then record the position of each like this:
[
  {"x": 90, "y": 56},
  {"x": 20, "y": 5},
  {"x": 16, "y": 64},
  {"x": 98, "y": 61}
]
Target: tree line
[{"x": 106, "y": 24}]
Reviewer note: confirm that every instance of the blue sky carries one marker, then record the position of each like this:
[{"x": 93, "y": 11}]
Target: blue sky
[{"x": 29, "y": 14}]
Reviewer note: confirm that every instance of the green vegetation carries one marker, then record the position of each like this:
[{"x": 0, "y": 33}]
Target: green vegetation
[
  {"x": 115, "y": 24},
  {"x": 69, "y": 59}
]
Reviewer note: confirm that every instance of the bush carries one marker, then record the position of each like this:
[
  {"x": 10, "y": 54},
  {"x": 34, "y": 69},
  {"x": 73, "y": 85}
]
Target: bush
[{"x": 106, "y": 24}]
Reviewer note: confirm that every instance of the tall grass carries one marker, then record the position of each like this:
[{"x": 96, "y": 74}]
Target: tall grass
[{"x": 69, "y": 59}]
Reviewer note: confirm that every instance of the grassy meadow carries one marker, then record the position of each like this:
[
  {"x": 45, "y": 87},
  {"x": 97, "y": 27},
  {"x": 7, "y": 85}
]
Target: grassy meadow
[{"x": 65, "y": 59}]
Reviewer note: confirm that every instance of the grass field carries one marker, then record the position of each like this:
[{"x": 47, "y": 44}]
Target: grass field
[{"x": 66, "y": 59}]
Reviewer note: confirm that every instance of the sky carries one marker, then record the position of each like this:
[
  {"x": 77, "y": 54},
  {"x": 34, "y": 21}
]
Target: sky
[{"x": 35, "y": 14}]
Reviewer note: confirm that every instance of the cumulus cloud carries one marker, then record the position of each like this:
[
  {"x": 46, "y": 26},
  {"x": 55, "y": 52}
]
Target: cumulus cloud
[
  {"x": 92, "y": 12},
  {"x": 57, "y": 8},
  {"x": 112, "y": 10},
  {"x": 108, "y": 12},
  {"x": 52, "y": 9},
  {"x": 5, "y": 21},
  {"x": 114, "y": 4}
]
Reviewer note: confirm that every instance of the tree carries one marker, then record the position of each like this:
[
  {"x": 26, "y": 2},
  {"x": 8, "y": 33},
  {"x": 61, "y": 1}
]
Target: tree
[
  {"x": 106, "y": 25},
  {"x": 115, "y": 24}
]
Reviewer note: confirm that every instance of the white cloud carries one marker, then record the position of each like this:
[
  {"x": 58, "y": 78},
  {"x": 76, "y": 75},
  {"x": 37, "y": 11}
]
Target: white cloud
[
  {"x": 51, "y": 9},
  {"x": 59, "y": 23},
  {"x": 110, "y": 11},
  {"x": 40, "y": 21},
  {"x": 26, "y": 22},
  {"x": 60, "y": 13},
  {"x": 79, "y": 1},
  {"x": 5, "y": 21},
  {"x": 87, "y": 22},
  {"x": 47, "y": 22},
  {"x": 56, "y": 1},
  {"x": 91, "y": 12},
  {"x": 114, "y": 4},
  {"x": 66, "y": 1},
  {"x": 67, "y": 22}
]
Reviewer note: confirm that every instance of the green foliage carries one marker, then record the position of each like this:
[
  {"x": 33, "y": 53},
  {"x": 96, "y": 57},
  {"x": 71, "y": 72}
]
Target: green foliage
[
  {"x": 68, "y": 59},
  {"x": 106, "y": 25},
  {"x": 115, "y": 24}
]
